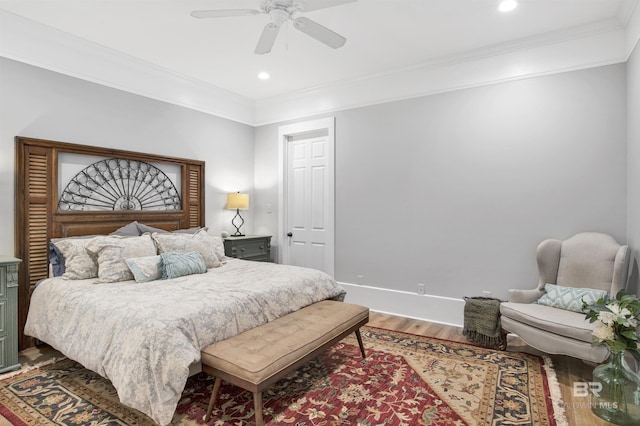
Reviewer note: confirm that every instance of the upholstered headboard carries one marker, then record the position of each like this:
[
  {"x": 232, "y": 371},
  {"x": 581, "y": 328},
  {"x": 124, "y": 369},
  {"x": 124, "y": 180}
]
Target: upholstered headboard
[{"x": 44, "y": 211}]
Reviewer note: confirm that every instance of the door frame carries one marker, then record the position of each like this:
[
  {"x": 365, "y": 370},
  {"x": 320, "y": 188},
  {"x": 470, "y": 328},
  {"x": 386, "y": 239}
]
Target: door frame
[{"x": 284, "y": 133}]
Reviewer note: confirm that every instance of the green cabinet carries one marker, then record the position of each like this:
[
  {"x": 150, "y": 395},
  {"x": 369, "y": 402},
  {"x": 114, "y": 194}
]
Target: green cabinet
[
  {"x": 249, "y": 247},
  {"x": 9, "y": 313}
]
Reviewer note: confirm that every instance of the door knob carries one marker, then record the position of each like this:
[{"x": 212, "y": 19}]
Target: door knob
[{"x": 289, "y": 234}]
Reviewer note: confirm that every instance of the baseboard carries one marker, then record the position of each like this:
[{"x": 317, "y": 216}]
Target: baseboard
[{"x": 443, "y": 310}]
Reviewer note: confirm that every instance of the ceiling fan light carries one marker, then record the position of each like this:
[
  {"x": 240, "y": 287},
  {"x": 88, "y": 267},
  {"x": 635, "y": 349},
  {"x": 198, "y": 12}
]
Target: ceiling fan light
[
  {"x": 507, "y": 5},
  {"x": 264, "y": 75}
]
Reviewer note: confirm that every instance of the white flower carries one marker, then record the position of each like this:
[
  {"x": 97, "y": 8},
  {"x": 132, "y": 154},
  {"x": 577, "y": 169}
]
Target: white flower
[
  {"x": 603, "y": 331},
  {"x": 615, "y": 308},
  {"x": 607, "y": 317}
]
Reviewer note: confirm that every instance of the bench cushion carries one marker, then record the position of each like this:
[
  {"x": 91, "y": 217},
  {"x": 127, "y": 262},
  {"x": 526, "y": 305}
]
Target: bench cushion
[{"x": 261, "y": 352}]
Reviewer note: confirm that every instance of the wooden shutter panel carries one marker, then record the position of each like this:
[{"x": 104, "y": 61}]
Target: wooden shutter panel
[
  {"x": 195, "y": 195},
  {"x": 33, "y": 215}
]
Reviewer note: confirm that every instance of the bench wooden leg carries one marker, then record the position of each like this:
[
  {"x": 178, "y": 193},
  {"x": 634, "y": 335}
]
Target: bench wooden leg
[
  {"x": 257, "y": 402},
  {"x": 360, "y": 343},
  {"x": 214, "y": 395}
]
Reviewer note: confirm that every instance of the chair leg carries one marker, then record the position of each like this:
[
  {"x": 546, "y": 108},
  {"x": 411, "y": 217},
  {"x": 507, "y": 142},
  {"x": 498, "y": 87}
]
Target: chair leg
[
  {"x": 360, "y": 343},
  {"x": 214, "y": 395},
  {"x": 503, "y": 336},
  {"x": 257, "y": 402}
]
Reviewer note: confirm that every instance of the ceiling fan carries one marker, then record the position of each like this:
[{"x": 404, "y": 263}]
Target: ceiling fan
[{"x": 281, "y": 11}]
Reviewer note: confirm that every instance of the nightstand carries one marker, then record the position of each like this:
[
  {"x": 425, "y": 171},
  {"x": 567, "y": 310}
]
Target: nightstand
[
  {"x": 9, "y": 313},
  {"x": 249, "y": 247}
]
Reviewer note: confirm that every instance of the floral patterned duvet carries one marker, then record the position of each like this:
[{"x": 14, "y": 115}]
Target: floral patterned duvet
[{"x": 144, "y": 336}]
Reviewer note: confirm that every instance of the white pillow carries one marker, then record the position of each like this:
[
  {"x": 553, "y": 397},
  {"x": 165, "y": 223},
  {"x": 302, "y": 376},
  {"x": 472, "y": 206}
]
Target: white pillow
[
  {"x": 145, "y": 269},
  {"x": 186, "y": 243},
  {"x": 78, "y": 263},
  {"x": 112, "y": 252}
]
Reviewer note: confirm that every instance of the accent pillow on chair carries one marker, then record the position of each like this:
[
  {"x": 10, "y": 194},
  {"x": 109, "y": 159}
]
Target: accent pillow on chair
[{"x": 569, "y": 298}]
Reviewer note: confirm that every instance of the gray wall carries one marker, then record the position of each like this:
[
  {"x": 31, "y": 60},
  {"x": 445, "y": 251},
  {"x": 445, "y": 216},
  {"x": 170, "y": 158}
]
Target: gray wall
[
  {"x": 456, "y": 190},
  {"x": 43, "y": 104},
  {"x": 633, "y": 161},
  {"x": 489, "y": 171}
]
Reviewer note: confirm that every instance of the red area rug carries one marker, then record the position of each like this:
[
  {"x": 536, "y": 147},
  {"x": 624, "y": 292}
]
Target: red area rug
[{"x": 405, "y": 380}]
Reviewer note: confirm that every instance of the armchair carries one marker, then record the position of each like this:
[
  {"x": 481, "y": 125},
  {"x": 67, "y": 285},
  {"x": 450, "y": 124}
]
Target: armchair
[{"x": 588, "y": 260}]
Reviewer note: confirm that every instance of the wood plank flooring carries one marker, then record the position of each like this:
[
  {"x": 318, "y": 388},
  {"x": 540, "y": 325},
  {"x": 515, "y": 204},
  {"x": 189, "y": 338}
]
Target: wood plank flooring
[{"x": 568, "y": 370}]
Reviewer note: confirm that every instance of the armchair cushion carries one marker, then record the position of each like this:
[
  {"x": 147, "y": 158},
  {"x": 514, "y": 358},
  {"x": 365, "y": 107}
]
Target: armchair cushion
[
  {"x": 558, "y": 321},
  {"x": 569, "y": 298}
]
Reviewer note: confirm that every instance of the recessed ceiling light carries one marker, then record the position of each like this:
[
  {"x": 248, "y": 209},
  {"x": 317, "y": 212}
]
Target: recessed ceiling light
[
  {"x": 507, "y": 5},
  {"x": 264, "y": 76}
]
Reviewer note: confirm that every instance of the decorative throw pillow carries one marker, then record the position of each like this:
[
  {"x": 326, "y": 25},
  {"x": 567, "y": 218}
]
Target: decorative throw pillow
[
  {"x": 142, "y": 229},
  {"x": 569, "y": 298},
  {"x": 78, "y": 263},
  {"x": 186, "y": 243},
  {"x": 147, "y": 268},
  {"x": 129, "y": 230},
  {"x": 216, "y": 242},
  {"x": 56, "y": 260},
  {"x": 180, "y": 264},
  {"x": 112, "y": 251},
  {"x": 193, "y": 230}
]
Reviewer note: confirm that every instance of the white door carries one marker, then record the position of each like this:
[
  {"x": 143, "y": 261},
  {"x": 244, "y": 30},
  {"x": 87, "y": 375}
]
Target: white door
[{"x": 308, "y": 195}]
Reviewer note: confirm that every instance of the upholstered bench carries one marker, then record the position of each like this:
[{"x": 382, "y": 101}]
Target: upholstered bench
[{"x": 257, "y": 358}]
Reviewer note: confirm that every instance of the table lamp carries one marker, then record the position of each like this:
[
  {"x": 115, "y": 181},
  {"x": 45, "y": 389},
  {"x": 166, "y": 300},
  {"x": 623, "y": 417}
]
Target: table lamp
[{"x": 237, "y": 201}]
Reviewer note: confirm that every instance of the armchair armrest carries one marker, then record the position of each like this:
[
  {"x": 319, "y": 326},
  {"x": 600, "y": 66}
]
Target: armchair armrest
[{"x": 525, "y": 296}]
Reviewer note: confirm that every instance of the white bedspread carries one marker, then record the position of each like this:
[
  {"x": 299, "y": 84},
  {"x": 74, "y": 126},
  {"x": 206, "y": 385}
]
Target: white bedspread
[{"x": 144, "y": 336}]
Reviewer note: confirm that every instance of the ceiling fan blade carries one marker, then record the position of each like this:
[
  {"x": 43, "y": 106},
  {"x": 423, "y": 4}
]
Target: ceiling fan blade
[
  {"x": 319, "y": 32},
  {"x": 224, "y": 13},
  {"x": 309, "y": 5},
  {"x": 268, "y": 37}
]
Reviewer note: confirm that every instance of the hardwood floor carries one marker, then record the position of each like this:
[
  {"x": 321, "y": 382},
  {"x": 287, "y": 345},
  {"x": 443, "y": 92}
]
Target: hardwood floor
[{"x": 568, "y": 370}]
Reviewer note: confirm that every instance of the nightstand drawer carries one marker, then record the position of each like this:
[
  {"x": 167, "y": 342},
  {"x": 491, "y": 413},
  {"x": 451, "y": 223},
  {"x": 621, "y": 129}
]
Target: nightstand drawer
[{"x": 249, "y": 248}]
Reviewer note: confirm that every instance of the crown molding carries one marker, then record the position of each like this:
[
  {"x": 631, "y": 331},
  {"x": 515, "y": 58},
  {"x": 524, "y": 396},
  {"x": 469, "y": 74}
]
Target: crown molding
[
  {"x": 36, "y": 44},
  {"x": 518, "y": 61},
  {"x": 603, "y": 43}
]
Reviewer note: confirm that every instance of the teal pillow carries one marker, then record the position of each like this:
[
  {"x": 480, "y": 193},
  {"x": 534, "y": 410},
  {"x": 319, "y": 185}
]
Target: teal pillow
[
  {"x": 180, "y": 264},
  {"x": 569, "y": 298}
]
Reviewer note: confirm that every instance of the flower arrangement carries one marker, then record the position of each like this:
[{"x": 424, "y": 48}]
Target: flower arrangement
[{"x": 616, "y": 322}]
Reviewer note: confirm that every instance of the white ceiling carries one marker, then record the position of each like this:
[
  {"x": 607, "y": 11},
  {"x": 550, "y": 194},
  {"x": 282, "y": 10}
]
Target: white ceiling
[{"x": 383, "y": 36}]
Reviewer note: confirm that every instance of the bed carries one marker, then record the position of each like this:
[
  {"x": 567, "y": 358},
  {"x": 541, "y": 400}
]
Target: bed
[{"x": 143, "y": 331}]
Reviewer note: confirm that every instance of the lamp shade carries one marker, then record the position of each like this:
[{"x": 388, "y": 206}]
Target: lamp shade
[{"x": 239, "y": 201}]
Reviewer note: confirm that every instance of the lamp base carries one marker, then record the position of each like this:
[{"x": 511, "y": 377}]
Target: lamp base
[{"x": 233, "y": 222}]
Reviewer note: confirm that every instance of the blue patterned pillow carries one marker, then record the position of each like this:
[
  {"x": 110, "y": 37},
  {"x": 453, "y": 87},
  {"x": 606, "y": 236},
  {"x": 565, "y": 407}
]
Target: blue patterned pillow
[
  {"x": 569, "y": 298},
  {"x": 179, "y": 264}
]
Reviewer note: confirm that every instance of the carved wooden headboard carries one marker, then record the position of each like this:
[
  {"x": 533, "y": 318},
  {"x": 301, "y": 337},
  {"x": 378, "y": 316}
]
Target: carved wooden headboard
[{"x": 40, "y": 214}]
